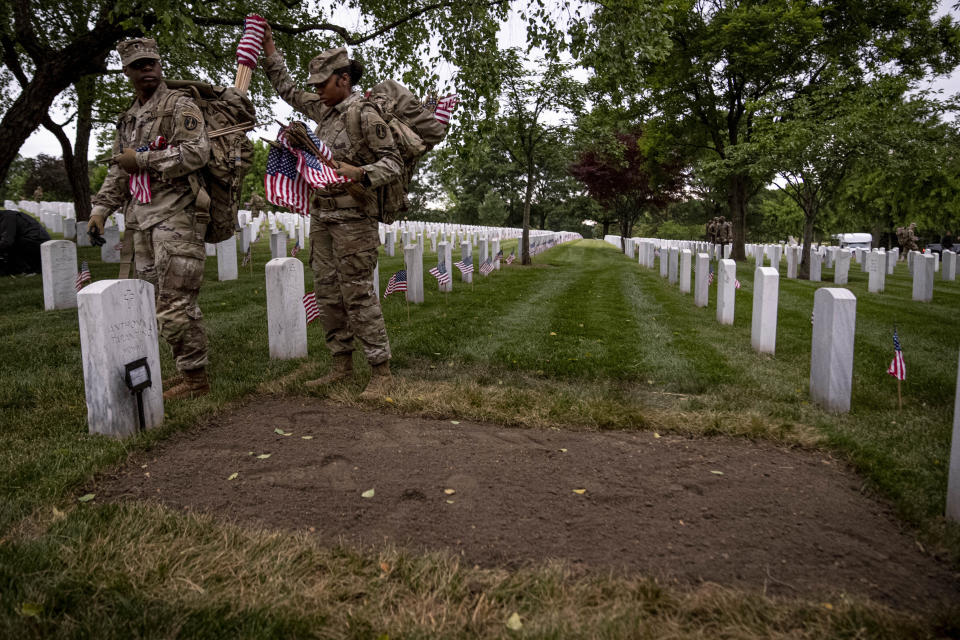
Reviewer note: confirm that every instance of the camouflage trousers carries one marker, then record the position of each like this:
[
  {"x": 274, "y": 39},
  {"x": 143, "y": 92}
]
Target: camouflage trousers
[
  {"x": 170, "y": 256},
  {"x": 343, "y": 255}
]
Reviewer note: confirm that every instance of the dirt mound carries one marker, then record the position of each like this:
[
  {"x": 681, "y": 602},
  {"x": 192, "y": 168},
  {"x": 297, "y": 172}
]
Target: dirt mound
[{"x": 738, "y": 513}]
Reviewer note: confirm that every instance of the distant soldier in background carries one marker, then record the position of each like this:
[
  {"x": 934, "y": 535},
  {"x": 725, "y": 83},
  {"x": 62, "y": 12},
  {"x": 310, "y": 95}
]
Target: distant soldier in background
[
  {"x": 257, "y": 204},
  {"x": 907, "y": 238},
  {"x": 38, "y": 194},
  {"x": 712, "y": 230}
]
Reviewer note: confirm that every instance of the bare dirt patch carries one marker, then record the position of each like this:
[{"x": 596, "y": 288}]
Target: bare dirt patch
[{"x": 745, "y": 514}]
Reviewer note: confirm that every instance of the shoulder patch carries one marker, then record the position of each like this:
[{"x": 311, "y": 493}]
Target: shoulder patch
[
  {"x": 381, "y": 130},
  {"x": 190, "y": 122}
]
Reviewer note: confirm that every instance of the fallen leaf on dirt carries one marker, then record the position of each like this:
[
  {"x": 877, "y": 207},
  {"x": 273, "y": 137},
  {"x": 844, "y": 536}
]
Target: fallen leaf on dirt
[
  {"x": 233, "y": 476},
  {"x": 86, "y": 497},
  {"x": 388, "y": 399},
  {"x": 454, "y": 422},
  {"x": 31, "y": 609},
  {"x": 563, "y": 450},
  {"x": 717, "y": 473},
  {"x": 513, "y": 622},
  {"x": 681, "y": 523},
  {"x": 306, "y": 437},
  {"x": 827, "y": 605},
  {"x": 384, "y": 567},
  {"x": 450, "y": 501},
  {"x": 369, "y": 493},
  {"x": 280, "y": 431},
  {"x": 656, "y": 435},
  {"x": 264, "y": 456},
  {"x": 449, "y": 492},
  {"x": 553, "y": 333},
  {"x": 579, "y": 492},
  {"x": 58, "y": 515}
]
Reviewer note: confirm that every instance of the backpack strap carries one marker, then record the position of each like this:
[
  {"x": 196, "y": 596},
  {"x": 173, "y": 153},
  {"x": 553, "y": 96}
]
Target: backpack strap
[
  {"x": 355, "y": 125},
  {"x": 164, "y": 114}
]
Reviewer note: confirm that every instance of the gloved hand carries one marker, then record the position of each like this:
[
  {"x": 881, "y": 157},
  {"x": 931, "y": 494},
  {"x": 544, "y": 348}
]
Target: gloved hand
[
  {"x": 95, "y": 223},
  {"x": 350, "y": 171},
  {"x": 128, "y": 160}
]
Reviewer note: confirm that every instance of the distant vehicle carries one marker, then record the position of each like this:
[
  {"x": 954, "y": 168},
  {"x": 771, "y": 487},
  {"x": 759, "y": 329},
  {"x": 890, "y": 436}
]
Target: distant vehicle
[
  {"x": 854, "y": 240},
  {"x": 935, "y": 247}
]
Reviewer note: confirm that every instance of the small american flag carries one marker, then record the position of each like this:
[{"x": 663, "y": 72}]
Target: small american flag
[
  {"x": 445, "y": 107},
  {"x": 296, "y": 249},
  {"x": 310, "y": 306},
  {"x": 736, "y": 284},
  {"x": 83, "y": 276},
  {"x": 710, "y": 278},
  {"x": 283, "y": 184},
  {"x": 397, "y": 282},
  {"x": 140, "y": 181},
  {"x": 512, "y": 256},
  {"x": 897, "y": 368},
  {"x": 246, "y": 257},
  {"x": 440, "y": 273},
  {"x": 252, "y": 41},
  {"x": 486, "y": 267},
  {"x": 465, "y": 265}
]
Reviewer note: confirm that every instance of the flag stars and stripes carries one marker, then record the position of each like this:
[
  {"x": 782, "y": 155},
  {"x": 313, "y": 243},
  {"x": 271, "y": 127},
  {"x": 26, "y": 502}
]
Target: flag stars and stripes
[
  {"x": 310, "y": 306},
  {"x": 251, "y": 43},
  {"x": 897, "y": 367},
  {"x": 83, "y": 276},
  {"x": 440, "y": 273},
  {"x": 397, "y": 282}
]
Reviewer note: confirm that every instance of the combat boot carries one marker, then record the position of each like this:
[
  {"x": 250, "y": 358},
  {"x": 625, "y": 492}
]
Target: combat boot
[
  {"x": 194, "y": 384},
  {"x": 342, "y": 369},
  {"x": 380, "y": 382}
]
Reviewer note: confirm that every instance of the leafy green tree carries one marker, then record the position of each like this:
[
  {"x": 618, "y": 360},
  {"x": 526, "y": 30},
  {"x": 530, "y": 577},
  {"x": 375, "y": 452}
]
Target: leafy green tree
[{"x": 728, "y": 59}]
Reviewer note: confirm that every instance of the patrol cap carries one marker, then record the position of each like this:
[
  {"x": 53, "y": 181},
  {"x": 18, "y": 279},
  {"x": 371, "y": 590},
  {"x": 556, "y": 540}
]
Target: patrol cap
[
  {"x": 136, "y": 49},
  {"x": 323, "y": 66}
]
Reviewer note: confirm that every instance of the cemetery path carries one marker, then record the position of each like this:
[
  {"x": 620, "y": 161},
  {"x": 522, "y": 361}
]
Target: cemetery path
[{"x": 745, "y": 514}]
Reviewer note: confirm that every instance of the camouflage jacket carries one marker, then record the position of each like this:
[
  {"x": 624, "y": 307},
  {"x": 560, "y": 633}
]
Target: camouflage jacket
[
  {"x": 377, "y": 152},
  {"x": 188, "y": 150}
]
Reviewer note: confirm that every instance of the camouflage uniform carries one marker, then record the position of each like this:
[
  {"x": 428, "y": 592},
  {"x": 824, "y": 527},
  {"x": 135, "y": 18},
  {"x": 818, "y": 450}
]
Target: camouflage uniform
[
  {"x": 257, "y": 204},
  {"x": 167, "y": 233},
  {"x": 37, "y": 194},
  {"x": 907, "y": 238},
  {"x": 343, "y": 231}
]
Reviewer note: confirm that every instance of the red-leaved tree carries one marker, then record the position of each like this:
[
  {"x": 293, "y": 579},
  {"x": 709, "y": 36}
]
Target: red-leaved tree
[{"x": 628, "y": 180}]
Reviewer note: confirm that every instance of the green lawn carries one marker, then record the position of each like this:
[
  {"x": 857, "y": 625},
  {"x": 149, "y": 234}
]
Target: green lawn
[{"x": 583, "y": 339}]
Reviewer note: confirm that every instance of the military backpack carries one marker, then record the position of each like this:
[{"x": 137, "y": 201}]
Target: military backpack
[
  {"x": 217, "y": 187},
  {"x": 415, "y": 130}
]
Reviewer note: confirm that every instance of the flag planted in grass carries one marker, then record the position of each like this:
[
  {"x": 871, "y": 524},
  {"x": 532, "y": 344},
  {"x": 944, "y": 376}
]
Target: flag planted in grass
[
  {"x": 397, "y": 282},
  {"x": 465, "y": 265},
  {"x": 83, "y": 276},
  {"x": 897, "y": 368},
  {"x": 310, "y": 306},
  {"x": 440, "y": 273}
]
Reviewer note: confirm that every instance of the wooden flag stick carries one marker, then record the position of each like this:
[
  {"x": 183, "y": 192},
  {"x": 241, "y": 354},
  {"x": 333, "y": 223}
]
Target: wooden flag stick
[
  {"x": 899, "y": 397},
  {"x": 242, "y": 81}
]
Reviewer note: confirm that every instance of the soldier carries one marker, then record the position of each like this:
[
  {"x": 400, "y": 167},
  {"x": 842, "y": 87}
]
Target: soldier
[
  {"x": 727, "y": 231},
  {"x": 908, "y": 238},
  {"x": 343, "y": 230},
  {"x": 38, "y": 194},
  {"x": 257, "y": 204},
  {"x": 712, "y": 231},
  {"x": 168, "y": 230}
]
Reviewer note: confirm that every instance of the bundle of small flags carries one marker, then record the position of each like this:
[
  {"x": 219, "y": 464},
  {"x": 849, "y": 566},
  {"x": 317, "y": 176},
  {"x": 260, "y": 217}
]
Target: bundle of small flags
[
  {"x": 315, "y": 171},
  {"x": 251, "y": 43},
  {"x": 83, "y": 276},
  {"x": 140, "y": 181},
  {"x": 397, "y": 282},
  {"x": 292, "y": 172},
  {"x": 897, "y": 368},
  {"x": 465, "y": 265},
  {"x": 440, "y": 273},
  {"x": 310, "y": 306},
  {"x": 486, "y": 267}
]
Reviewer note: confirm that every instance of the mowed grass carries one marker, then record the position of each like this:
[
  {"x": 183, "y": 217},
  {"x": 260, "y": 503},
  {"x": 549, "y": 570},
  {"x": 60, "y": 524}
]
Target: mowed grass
[{"x": 582, "y": 339}]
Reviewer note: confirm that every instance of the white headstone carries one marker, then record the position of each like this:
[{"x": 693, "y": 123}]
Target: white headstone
[
  {"x": 664, "y": 262},
  {"x": 390, "y": 241},
  {"x": 726, "y": 287},
  {"x": 83, "y": 240},
  {"x": 495, "y": 253},
  {"x": 278, "y": 245},
  {"x": 701, "y": 289},
  {"x": 953, "y": 480},
  {"x": 673, "y": 265},
  {"x": 110, "y": 250},
  {"x": 227, "y": 259},
  {"x": 923, "y": 277},
  {"x": 727, "y": 251},
  {"x": 876, "y": 264},
  {"x": 58, "y": 259},
  {"x": 209, "y": 249},
  {"x": 831, "y": 356},
  {"x": 69, "y": 229},
  {"x": 763, "y": 330},
  {"x": 949, "y": 271},
  {"x": 414, "y": 265},
  {"x": 793, "y": 261},
  {"x": 466, "y": 256},
  {"x": 286, "y": 318},
  {"x": 118, "y": 326},
  {"x": 816, "y": 266},
  {"x": 842, "y": 267},
  {"x": 685, "y": 257}
]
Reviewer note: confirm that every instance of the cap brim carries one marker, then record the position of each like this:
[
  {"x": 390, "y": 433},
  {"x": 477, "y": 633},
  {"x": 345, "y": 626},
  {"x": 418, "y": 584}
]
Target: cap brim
[
  {"x": 316, "y": 78},
  {"x": 140, "y": 56}
]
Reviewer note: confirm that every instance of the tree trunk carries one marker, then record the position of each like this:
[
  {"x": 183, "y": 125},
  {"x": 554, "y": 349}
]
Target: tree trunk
[
  {"x": 528, "y": 196},
  {"x": 808, "y": 218},
  {"x": 737, "y": 188},
  {"x": 86, "y": 90}
]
